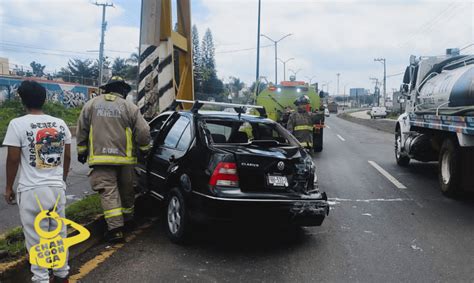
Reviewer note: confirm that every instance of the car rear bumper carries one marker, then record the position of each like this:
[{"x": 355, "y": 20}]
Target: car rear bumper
[{"x": 303, "y": 212}]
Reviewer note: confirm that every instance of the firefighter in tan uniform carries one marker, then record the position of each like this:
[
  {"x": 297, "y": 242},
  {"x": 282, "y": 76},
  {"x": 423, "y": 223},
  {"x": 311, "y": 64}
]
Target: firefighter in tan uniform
[
  {"x": 300, "y": 123},
  {"x": 109, "y": 132}
]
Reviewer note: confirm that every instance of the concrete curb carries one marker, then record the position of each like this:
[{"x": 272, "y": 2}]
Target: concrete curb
[{"x": 18, "y": 270}]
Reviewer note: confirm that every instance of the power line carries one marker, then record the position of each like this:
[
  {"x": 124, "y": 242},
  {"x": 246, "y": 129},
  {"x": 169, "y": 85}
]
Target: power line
[
  {"x": 41, "y": 48},
  {"x": 243, "y": 49},
  {"x": 395, "y": 75},
  {"x": 447, "y": 12},
  {"x": 11, "y": 49}
]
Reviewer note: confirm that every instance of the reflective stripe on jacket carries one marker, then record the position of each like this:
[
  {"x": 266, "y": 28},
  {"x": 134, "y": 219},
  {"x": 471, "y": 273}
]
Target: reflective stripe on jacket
[
  {"x": 300, "y": 124},
  {"x": 110, "y": 129}
]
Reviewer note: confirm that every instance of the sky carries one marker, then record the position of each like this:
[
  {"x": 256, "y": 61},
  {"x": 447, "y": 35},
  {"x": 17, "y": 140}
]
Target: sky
[{"x": 328, "y": 37}]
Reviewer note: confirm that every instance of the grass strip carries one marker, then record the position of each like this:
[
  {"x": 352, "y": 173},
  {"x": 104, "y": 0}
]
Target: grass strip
[{"x": 12, "y": 243}]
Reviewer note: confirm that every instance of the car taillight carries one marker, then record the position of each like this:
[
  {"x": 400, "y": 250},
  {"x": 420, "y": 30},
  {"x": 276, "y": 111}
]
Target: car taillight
[{"x": 225, "y": 175}]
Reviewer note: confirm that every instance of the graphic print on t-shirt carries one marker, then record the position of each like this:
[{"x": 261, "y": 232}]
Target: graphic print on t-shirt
[{"x": 46, "y": 146}]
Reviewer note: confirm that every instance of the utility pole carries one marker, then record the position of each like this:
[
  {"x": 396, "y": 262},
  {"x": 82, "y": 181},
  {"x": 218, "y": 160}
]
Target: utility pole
[
  {"x": 284, "y": 66},
  {"x": 257, "y": 77},
  {"x": 275, "y": 42},
  {"x": 338, "y": 74},
  {"x": 102, "y": 35},
  {"x": 383, "y": 61}
]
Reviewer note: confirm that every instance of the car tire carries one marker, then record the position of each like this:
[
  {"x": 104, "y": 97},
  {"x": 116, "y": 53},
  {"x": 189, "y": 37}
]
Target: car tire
[
  {"x": 449, "y": 169},
  {"x": 402, "y": 160},
  {"x": 318, "y": 141},
  {"x": 177, "y": 220}
]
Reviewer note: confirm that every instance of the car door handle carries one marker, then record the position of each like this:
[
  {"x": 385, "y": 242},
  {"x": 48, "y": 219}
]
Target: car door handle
[{"x": 172, "y": 158}]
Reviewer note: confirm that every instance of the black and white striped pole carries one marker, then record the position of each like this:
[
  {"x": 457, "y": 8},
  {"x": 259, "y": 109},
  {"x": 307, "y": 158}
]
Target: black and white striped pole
[{"x": 155, "y": 80}]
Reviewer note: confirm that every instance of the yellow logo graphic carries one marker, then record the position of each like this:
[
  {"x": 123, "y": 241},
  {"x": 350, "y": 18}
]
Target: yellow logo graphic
[{"x": 51, "y": 252}]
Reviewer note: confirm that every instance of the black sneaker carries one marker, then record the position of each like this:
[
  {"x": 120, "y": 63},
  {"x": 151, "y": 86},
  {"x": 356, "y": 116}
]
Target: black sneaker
[{"x": 114, "y": 236}]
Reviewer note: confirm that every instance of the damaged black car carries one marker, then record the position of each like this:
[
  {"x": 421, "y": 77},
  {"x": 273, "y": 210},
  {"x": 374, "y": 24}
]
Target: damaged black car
[{"x": 221, "y": 166}]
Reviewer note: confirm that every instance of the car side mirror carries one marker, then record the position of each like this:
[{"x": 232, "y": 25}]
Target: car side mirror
[{"x": 404, "y": 89}]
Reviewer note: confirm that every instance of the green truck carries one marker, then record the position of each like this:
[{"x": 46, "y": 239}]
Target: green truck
[{"x": 278, "y": 103}]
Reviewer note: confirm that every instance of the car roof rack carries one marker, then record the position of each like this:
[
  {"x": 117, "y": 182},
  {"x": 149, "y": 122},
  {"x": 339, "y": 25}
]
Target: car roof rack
[{"x": 197, "y": 104}]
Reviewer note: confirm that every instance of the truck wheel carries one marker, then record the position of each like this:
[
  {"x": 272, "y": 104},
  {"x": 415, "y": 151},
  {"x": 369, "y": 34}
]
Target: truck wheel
[
  {"x": 402, "y": 160},
  {"x": 318, "y": 141},
  {"x": 177, "y": 219},
  {"x": 449, "y": 168}
]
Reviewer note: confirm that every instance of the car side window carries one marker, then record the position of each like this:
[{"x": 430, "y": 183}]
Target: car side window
[
  {"x": 156, "y": 124},
  {"x": 175, "y": 133},
  {"x": 185, "y": 139}
]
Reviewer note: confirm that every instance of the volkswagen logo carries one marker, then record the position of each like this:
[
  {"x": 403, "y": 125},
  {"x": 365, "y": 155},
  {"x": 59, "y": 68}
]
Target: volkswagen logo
[{"x": 281, "y": 165}]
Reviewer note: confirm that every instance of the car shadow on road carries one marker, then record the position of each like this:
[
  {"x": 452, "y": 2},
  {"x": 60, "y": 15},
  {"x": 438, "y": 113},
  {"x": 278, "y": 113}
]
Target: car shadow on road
[{"x": 238, "y": 238}]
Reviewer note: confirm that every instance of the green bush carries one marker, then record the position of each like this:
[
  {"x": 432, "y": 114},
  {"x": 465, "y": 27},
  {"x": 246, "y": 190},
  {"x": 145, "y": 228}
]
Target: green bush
[{"x": 11, "y": 109}]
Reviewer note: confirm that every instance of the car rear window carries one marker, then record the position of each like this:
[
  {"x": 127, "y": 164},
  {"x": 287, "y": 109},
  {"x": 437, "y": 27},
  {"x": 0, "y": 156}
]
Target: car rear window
[{"x": 246, "y": 132}]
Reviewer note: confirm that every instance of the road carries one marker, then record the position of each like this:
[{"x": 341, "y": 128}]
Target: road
[
  {"x": 387, "y": 224},
  {"x": 77, "y": 187}
]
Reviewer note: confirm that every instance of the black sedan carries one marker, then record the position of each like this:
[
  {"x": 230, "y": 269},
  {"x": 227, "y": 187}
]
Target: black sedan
[{"x": 221, "y": 166}]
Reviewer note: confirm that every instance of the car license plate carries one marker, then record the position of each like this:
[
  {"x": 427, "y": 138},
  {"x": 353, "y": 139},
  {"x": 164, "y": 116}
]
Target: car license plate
[{"x": 277, "y": 181}]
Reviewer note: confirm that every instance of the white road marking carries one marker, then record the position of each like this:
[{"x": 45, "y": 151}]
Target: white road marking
[
  {"x": 328, "y": 127},
  {"x": 369, "y": 200},
  {"x": 341, "y": 138},
  {"x": 367, "y": 214},
  {"x": 387, "y": 175}
]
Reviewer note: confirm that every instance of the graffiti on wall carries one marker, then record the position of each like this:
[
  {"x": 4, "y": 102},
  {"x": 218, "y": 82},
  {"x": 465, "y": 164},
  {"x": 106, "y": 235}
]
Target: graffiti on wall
[{"x": 70, "y": 95}]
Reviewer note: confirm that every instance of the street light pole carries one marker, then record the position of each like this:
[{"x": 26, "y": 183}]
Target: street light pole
[
  {"x": 310, "y": 79},
  {"x": 327, "y": 86},
  {"x": 258, "y": 45},
  {"x": 284, "y": 66},
  {"x": 375, "y": 89},
  {"x": 338, "y": 74},
  {"x": 275, "y": 42},
  {"x": 345, "y": 93},
  {"x": 295, "y": 72},
  {"x": 383, "y": 61}
]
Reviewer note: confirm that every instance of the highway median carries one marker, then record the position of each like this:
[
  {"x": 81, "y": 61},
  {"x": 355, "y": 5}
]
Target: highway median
[{"x": 385, "y": 125}]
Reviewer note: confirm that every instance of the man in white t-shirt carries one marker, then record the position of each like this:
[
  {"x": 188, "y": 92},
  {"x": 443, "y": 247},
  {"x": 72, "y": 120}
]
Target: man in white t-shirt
[{"x": 41, "y": 146}]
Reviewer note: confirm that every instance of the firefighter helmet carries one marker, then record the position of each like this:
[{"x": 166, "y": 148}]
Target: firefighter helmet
[
  {"x": 302, "y": 100},
  {"x": 116, "y": 84}
]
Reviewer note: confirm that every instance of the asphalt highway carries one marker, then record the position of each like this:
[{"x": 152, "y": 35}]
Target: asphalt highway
[{"x": 386, "y": 224}]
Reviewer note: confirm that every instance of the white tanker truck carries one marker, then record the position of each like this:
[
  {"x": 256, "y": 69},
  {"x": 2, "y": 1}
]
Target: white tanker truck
[{"x": 438, "y": 123}]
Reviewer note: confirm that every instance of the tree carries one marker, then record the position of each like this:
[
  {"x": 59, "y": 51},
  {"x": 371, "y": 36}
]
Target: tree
[
  {"x": 210, "y": 82},
  {"x": 80, "y": 71},
  {"x": 208, "y": 50},
  {"x": 38, "y": 69},
  {"x": 120, "y": 67},
  {"x": 196, "y": 60},
  {"x": 235, "y": 85},
  {"x": 132, "y": 67}
]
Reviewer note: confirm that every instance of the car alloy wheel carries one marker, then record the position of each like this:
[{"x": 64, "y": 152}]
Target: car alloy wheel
[{"x": 174, "y": 215}]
